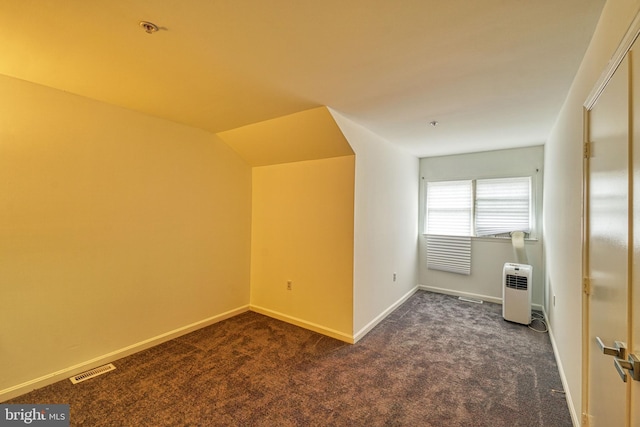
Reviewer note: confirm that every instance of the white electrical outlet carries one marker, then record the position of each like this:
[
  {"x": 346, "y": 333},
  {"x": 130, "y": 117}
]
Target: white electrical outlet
[{"x": 395, "y": 276}]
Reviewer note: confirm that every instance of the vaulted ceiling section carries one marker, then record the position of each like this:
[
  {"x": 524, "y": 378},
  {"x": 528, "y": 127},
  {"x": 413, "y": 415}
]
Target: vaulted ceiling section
[{"x": 493, "y": 73}]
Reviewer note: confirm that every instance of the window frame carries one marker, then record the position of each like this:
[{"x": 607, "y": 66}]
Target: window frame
[{"x": 533, "y": 209}]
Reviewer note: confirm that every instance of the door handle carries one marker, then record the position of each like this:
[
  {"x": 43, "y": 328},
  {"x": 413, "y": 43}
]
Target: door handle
[
  {"x": 619, "y": 351},
  {"x": 632, "y": 364}
]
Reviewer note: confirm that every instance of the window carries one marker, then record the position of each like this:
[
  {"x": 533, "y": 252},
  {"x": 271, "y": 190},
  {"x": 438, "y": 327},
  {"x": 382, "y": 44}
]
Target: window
[
  {"x": 483, "y": 207},
  {"x": 450, "y": 208},
  {"x": 503, "y": 205}
]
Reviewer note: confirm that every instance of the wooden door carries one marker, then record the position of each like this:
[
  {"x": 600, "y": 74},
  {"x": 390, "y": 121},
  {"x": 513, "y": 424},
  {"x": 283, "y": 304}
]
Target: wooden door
[
  {"x": 608, "y": 259},
  {"x": 612, "y": 251}
]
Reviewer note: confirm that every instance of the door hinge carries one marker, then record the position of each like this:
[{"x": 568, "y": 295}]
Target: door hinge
[
  {"x": 585, "y": 420},
  {"x": 586, "y": 285},
  {"x": 586, "y": 150}
]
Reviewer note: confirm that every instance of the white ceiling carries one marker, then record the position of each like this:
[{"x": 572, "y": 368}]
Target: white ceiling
[{"x": 493, "y": 73}]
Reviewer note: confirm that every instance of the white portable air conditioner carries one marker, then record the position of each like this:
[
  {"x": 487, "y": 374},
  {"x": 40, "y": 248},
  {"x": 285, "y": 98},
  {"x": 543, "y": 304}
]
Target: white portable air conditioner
[{"x": 516, "y": 292}]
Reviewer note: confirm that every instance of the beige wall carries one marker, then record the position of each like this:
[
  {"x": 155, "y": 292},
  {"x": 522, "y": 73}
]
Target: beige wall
[
  {"x": 562, "y": 200},
  {"x": 115, "y": 228},
  {"x": 302, "y": 231}
]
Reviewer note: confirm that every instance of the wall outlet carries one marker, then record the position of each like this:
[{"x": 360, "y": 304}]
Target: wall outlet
[
  {"x": 289, "y": 284},
  {"x": 395, "y": 276}
]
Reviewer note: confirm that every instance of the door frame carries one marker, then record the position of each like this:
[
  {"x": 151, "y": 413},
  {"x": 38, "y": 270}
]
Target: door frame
[{"x": 621, "y": 52}]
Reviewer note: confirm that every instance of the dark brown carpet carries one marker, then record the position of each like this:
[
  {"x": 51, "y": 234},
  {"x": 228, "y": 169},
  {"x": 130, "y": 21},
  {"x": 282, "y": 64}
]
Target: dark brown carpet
[{"x": 435, "y": 361}]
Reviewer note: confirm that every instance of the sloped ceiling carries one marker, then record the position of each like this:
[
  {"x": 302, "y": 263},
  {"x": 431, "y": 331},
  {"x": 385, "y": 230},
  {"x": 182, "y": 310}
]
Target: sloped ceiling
[
  {"x": 493, "y": 73},
  {"x": 307, "y": 135}
]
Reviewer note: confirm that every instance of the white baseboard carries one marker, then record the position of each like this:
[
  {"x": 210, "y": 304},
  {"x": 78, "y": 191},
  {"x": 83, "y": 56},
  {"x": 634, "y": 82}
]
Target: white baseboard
[
  {"x": 565, "y": 385},
  {"x": 17, "y": 390},
  {"x": 486, "y": 298},
  {"x": 369, "y": 326},
  {"x": 331, "y": 332},
  {"x": 303, "y": 324},
  {"x": 460, "y": 293}
]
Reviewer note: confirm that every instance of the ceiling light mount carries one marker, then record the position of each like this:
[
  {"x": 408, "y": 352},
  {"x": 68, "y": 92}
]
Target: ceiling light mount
[{"x": 148, "y": 27}]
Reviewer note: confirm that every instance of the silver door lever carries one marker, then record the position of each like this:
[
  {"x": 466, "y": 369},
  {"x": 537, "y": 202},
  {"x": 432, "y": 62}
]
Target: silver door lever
[
  {"x": 619, "y": 351},
  {"x": 632, "y": 364}
]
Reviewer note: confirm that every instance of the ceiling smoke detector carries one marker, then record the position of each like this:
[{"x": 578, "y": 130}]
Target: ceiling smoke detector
[{"x": 149, "y": 27}]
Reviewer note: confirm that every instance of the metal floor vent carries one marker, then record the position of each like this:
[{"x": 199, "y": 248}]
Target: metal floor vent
[
  {"x": 87, "y": 375},
  {"x": 477, "y": 301}
]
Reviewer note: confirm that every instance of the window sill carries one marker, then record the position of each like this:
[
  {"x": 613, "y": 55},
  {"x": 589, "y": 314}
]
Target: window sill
[
  {"x": 495, "y": 239},
  {"x": 502, "y": 239}
]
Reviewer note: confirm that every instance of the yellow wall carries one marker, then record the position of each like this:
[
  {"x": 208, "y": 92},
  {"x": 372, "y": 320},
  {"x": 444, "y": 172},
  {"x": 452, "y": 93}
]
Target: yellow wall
[
  {"x": 120, "y": 230},
  {"x": 115, "y": 227},
  {"x": 302, "y": 230}
]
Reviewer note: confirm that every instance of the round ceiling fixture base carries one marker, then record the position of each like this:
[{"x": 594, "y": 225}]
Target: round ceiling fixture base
[{"x": 148, "y": 27}]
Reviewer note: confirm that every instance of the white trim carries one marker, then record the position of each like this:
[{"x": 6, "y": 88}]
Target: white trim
[
  {"x": 17, "y": 390},
  {"x": 379, "y": 318},
  {"x": 623, "y": 48},
  {"x": 460, "y": 293},
  {"x": 303, "y": 324},
  {"x": 565, "y": 385},
  {"x": 455, "y": 293}
]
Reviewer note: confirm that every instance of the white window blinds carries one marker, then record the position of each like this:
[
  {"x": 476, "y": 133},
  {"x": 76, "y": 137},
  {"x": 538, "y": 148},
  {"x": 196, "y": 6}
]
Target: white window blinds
[
  {"x": 503, "y": 205},
  {"x": 449, "y": 208},
  {"x": 449, "y": 253}
]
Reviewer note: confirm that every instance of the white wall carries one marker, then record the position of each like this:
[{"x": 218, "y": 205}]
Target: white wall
[
  {"x": 563, "y": 202},
  {"x": 117, "y": 230},
  {"x": 487, "y": 255},
  {"x": 386, "y": 224}
]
